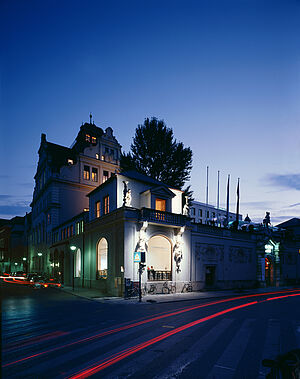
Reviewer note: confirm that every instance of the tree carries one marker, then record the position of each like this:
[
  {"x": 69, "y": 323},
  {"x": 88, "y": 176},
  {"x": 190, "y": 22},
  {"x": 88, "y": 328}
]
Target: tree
[{"x": 156, "y": 153}]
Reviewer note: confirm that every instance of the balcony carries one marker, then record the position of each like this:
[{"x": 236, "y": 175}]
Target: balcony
[{"x": 160, "y": 217}]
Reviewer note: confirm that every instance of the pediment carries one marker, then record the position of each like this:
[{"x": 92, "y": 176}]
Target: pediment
[{"x": 162, "y": 191}]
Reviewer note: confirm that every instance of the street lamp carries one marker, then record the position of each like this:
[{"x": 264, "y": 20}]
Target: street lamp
[{"x": 73, "y": 248}]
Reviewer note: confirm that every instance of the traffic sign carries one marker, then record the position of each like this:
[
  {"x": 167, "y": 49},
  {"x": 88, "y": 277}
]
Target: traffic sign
[{"x": 137, "y": 257}]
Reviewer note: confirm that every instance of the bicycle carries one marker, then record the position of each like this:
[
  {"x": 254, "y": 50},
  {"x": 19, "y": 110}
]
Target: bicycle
[
  {"x": 152, "y": 290},
  {"x": 132, "y": 292},
  {"x": 187, "y": 288},
  {"x": 166, "y": 289}
]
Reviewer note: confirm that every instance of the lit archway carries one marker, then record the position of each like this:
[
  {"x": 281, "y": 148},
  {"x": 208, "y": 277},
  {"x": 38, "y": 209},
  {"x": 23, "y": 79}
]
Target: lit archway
[
  {"x": 159, "y": 258},
  {"x": 102, "y": 253}
]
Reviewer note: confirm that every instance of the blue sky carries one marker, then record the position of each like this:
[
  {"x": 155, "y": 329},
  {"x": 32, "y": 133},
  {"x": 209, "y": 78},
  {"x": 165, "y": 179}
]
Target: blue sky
[{"x": 223, "y": 74}]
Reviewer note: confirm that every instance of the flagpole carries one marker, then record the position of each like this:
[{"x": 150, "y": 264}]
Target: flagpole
[
  {"x": 237, "y": 203},
  {"x": 206, "y": 195},
  {"x": 227, "y": 203},
  {"x": 218, "y": 198}
]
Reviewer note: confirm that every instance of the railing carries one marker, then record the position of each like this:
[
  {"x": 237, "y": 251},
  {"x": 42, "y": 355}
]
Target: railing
[
  {"x": 154, "y": 275},
  {"x": 153, "y": 215}
]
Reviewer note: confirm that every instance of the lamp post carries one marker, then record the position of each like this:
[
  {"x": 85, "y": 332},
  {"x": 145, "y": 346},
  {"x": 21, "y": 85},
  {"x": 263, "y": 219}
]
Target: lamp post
[{"x": 73, "y": 248}]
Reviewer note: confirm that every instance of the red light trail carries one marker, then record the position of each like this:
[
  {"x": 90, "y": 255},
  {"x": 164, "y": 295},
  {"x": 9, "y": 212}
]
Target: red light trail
[{"x": 147, "y": 320}]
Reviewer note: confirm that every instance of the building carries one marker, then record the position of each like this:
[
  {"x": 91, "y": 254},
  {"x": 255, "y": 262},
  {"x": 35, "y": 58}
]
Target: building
[
  {"x": 63, "y": 178},
  {"x": 209, "y": 214}
]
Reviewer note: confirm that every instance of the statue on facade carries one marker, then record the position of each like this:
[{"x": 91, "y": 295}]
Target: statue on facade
[
  {"x": 267, "y": 220},
  {"x": 186, "y": 210},
  {"x": 143, "y": 237},
  {"x": 178, "y": 249},
  {"x": 126, "y": 195}
]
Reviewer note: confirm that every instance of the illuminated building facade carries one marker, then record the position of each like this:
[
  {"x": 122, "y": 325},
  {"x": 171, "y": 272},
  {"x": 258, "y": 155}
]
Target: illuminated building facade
[{"x": 63, "y": 178}]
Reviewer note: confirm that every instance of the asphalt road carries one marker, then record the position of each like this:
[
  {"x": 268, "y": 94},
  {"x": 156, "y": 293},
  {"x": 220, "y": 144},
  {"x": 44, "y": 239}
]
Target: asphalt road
[{"x": 51, "y": 334}]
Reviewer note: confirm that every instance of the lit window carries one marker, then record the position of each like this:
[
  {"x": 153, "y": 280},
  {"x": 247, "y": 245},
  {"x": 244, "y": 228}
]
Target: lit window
[
  {"x": 94, "y": 174},
  {"x": 77, "y": 227},
  {"x": 97, "y": 156},
  {"x": 86, "y": 172},
  {"x": 106, "y": 205},
  {"x": 48, "y": 218},
  {"x": 78, "y": 264},
  {"x": 160, "y": 205},
  {"x": 70, "y": 161},
  {"x": 105, "y": 176},
  {"x": 102, "y": 259},
  {"x": 94, "y": 140},
  {"x": 68, "y": 231},
  {"x": 81, "y": 226},
  {"x": 97, "y": 209},
  {"x": 88, "y": 138},
  {"x": 102, "y": 157}
]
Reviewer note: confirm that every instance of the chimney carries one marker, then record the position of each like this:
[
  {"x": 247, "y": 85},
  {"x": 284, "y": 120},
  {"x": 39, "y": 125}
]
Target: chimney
[{"x": 43, "y": 137}]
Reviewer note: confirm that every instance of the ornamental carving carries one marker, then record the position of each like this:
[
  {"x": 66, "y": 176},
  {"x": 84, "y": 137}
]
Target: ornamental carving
[
  {"x": 178, "y": 249},
  {"x": 239, "y": 254},
  {"x": 209, "y": 252}
]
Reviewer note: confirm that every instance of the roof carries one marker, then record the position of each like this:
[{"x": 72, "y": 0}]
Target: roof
[
  {"x": 59, "y": 154},
  {"x": 144, "y": 178},
  {"x": 290, "y": 223}
]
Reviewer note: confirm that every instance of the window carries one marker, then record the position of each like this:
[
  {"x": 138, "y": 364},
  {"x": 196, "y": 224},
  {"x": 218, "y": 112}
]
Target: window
[
  {"x": 200, "y": 212},
  {"x": 105, "y": 176},
  {"x": 68, "y": 231},
  {"x": 97, "y": 209},
  {"x": 81, "y": 226},
  {"x": 106, "y": 150},
  {"x": 94, "y": 174},
  {"x": 112, "y": 152},
  {"x": 207, "y": 214},
  {"x": 160, "y": 205},
  {"x": 214, "y": 214},
  {"x": 94, "y": 140},
  {"x": 192, "y": 211},
  {"x": 88, "y": 138},
  {"x": 106, "y": 204},
  {"x": 71, "y": 230},
  {"x": 48, "y": 218},
  {"x": 77, "y": 227},
  {"x": 102, "y": 251},
  {"x": 102, "y": 157},
  {"x": 70, "y": 161},
  {"x": 97, "y": 156},
  {"x": 86, "y": 172},
  {"x": 78, "y": 264}
]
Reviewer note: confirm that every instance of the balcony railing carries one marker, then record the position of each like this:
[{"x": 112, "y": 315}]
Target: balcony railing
[
  {"x": 159, "y": 275},
  {"x": 153, "y": 215}
]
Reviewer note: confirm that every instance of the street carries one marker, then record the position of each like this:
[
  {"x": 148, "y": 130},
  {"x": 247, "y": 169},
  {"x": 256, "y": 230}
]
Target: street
[{"x": 48, "y": 333}]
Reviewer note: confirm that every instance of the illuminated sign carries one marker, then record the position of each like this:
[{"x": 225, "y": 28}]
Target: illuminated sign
[{"x": 137, "y": 257}]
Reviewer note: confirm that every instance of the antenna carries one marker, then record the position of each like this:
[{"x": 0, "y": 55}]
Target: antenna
[
  {"x": 206, "y": 194},
  {"x": 218, "y": 198}
]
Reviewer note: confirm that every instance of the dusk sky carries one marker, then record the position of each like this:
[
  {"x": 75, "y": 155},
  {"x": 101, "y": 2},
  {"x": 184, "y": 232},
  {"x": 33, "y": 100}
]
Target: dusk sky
[{"x": 224, "y": 75}]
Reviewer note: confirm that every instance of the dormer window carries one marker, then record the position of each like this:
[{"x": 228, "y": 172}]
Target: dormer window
[
  {"x": 70, "y": 161},
  {"x": 97, "y": 156},
  {"x": 88, "y": 138},
  {"x": 160, "y": 205},
  {"x": 94, "y": 140}
]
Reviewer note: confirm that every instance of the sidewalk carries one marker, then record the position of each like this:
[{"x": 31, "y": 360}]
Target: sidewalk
[{"x": 93, "y": 294}]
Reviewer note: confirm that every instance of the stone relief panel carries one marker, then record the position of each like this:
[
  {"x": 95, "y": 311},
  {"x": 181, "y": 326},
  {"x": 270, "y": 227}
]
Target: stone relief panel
[
  {"x": 209, "y": 252},
  {"x": 238, "y": 254}
]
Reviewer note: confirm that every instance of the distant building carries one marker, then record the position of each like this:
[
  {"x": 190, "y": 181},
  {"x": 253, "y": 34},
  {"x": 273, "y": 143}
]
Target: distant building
[
  {"x": 209, "y": 214},
  {"x": 63, "y": 178}
]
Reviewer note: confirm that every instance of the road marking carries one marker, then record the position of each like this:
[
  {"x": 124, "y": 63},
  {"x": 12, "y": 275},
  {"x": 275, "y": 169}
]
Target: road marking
[
  {"x": 272, "y": 345},
  {"x": 229, "y": 360},
  {"x": 196, "y": 350}
]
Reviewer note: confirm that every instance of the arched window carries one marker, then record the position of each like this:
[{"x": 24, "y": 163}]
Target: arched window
[
  {"x": 78, "y": 264},
  {"x": 159, "y": 258},
  {"x": 102, "y": 259}
]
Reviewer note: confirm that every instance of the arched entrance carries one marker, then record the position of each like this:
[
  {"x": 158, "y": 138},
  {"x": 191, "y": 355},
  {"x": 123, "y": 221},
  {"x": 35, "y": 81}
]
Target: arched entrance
[
  {"x": 102, "y": 254},
  {"x": 159, "y": 259}
]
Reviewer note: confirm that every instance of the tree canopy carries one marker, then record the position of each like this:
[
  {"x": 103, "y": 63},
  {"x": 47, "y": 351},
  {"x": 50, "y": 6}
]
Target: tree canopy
[{"x": 156, "y": 153}]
